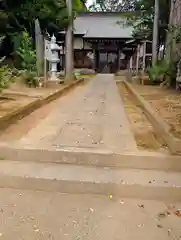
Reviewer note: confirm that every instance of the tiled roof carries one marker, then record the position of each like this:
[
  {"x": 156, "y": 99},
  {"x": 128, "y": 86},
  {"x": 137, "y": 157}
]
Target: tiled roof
[{"x": 102, "y": 26}]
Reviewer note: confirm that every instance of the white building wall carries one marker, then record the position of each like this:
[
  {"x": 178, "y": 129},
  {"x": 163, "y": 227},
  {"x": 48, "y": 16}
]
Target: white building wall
[{"x": 78, "y": 44}]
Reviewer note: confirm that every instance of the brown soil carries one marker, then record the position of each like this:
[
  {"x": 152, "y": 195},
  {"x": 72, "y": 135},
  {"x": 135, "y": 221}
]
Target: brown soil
[
  {"x": 166, "y": 102},
  {"x": 143, "y": 131},
  {"x": 19, "y": 95},
  {"x": 21, "y": 127}
]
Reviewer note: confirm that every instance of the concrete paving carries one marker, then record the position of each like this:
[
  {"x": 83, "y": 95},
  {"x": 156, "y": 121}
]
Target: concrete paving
[
  {"x": 46, "y": 216},
  {"x": 69, "y": 178},
  {"x": 92, "y": 116},
  {"x": 87, "y": 127}
]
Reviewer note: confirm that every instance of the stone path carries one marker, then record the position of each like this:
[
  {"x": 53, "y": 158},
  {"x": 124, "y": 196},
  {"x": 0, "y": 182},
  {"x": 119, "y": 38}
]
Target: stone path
[
  {"x": 46, "y": 216},
  {"x": 92, "y": 116}
]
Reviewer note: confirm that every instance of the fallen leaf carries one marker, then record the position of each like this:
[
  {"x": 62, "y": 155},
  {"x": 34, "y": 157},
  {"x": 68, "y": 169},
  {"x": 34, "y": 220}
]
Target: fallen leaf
[
  {"x": 110, "y": 196},
  {"x": 91, "y": 209},
  {"x": 171, "y": 206},
  {"x": 169, "y": 231},
  {"x": 162, "y": 215},
  {"x": 35, "y": 228},
  {"x": 121, "y": 202},
  {"x": 140, "y": 225},
  {"x": 178, "y": 213},
  {"x": 141, "y": 206},
  {"x": 159, "y": 226}
]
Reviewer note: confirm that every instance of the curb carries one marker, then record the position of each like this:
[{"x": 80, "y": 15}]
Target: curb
[
  {"x": 161, "y": 127},
  {"x": 80, "y": 187},
  {"x": 91, "y": 158},
  {"x": 20, "y": 113}
]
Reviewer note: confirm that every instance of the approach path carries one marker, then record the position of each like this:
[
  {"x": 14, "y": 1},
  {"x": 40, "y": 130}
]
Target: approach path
[{"x": 92, "y": 116}]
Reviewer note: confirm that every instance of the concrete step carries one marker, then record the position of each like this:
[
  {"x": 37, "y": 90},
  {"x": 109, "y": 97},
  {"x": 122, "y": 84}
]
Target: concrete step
[
  {"x": 66, "y": 178},
  {"x": 92, "y": 157}
]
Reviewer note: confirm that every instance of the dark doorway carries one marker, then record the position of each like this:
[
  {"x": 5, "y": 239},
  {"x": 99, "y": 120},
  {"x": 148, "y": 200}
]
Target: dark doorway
[{"x": 107, "y": 62}]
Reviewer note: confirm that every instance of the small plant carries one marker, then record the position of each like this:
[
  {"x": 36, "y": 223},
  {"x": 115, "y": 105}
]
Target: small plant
[
  {"x": 5, "y": 75},
  {"x": 30, "y": 78},
  {"x": 26, "y": 52},
  {"x": 27, "y": 55},
  {"x": 158, "y": 71}
]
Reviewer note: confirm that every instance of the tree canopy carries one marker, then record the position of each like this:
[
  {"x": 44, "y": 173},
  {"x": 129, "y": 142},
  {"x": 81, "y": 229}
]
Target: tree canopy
[
  {"x": 16, "y": 16},
  {"x": 20, "y": 14},
  {"x": 139, "y": 13},
  {"x": 112, "y": 5},
  {"x": 142, "y": 20}
]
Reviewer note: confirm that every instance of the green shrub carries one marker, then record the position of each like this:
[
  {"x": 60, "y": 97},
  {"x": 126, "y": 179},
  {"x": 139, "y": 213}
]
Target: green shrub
[
  {"x": 30, "y": 78},
  {"x": 5, "y": 75},
  {"x": 28, "y": 59},
  {"x": 157, "y": 72},
  {"x": 26, "y": 52}
]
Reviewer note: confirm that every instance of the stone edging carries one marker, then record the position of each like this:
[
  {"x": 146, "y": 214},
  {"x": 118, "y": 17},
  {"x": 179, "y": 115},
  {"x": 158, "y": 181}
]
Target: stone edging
[
  {"x": 160, "y": 126},
  {"x": 18, "y": 114}
]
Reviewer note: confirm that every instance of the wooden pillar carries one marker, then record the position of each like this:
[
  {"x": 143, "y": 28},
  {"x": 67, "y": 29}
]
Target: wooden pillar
[
  {"x": 131, "y": 64},
  {"x": 137, "y": 58},
  {"x": 94, "y": 59},
  {"x": 144, "y": 56},
  {"x": 119, "y": 60}
]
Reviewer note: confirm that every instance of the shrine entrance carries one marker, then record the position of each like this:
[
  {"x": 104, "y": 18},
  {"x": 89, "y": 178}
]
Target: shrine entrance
[
  {"x": 107, "y": 55},
  {"x": 107, "y": 62}
]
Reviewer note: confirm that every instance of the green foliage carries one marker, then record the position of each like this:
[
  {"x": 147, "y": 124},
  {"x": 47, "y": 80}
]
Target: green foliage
[
  {"x": 5, "y": 74},
  {"x": 142, "y": 18},
  {"x": 158, "y": 71},
  {"x": 162, "y": 71},
  {"x": 26, "y": 52},
  {"x": 30, "y": 78},
  {"x": 28, "y": 59},
  {"x": 112, "y": 5}
]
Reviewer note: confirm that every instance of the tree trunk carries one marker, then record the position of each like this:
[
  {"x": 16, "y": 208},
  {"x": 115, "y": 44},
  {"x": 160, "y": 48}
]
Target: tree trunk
[
  {"x": 69, "y": 45},
  {"x": 168, "y": 40},
  {"x": 155, "y": 33}
]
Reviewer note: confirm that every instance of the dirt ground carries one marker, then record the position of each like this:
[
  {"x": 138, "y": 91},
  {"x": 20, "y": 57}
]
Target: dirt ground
[
  {"x": 166, "y": 102},
  {"x": 19, "y": 95},
  {"x": 141, "y": 127}
]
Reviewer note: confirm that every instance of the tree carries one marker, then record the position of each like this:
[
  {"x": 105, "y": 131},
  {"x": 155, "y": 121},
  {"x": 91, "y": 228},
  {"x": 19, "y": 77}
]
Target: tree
[
  {"x": 144, "y": 16},
  {"x": 155, "y": 33},
  {"x": 15, "y": 16},
  {"x": 112, "y": 5}
]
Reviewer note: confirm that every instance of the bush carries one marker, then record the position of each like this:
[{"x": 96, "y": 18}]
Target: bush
[
  {"x": 30, "y": 78},
  {"x": 28, "y": 59},
  {"x": 157, "y": 72},
  {"x": 26, "y": 52},
  {"x": 5, "y": 74}
]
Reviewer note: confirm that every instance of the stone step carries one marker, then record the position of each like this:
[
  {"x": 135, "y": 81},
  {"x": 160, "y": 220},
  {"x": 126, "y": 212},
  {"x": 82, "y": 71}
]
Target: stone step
[
  {"x": 66, "y": 178},
  {"x": 92, "y": 157}
]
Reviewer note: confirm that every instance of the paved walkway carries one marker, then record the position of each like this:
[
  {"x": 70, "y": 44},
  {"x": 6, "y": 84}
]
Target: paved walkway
[
  {"x": 92, "y": 116},
  {"x": 46, "y": 216}
]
